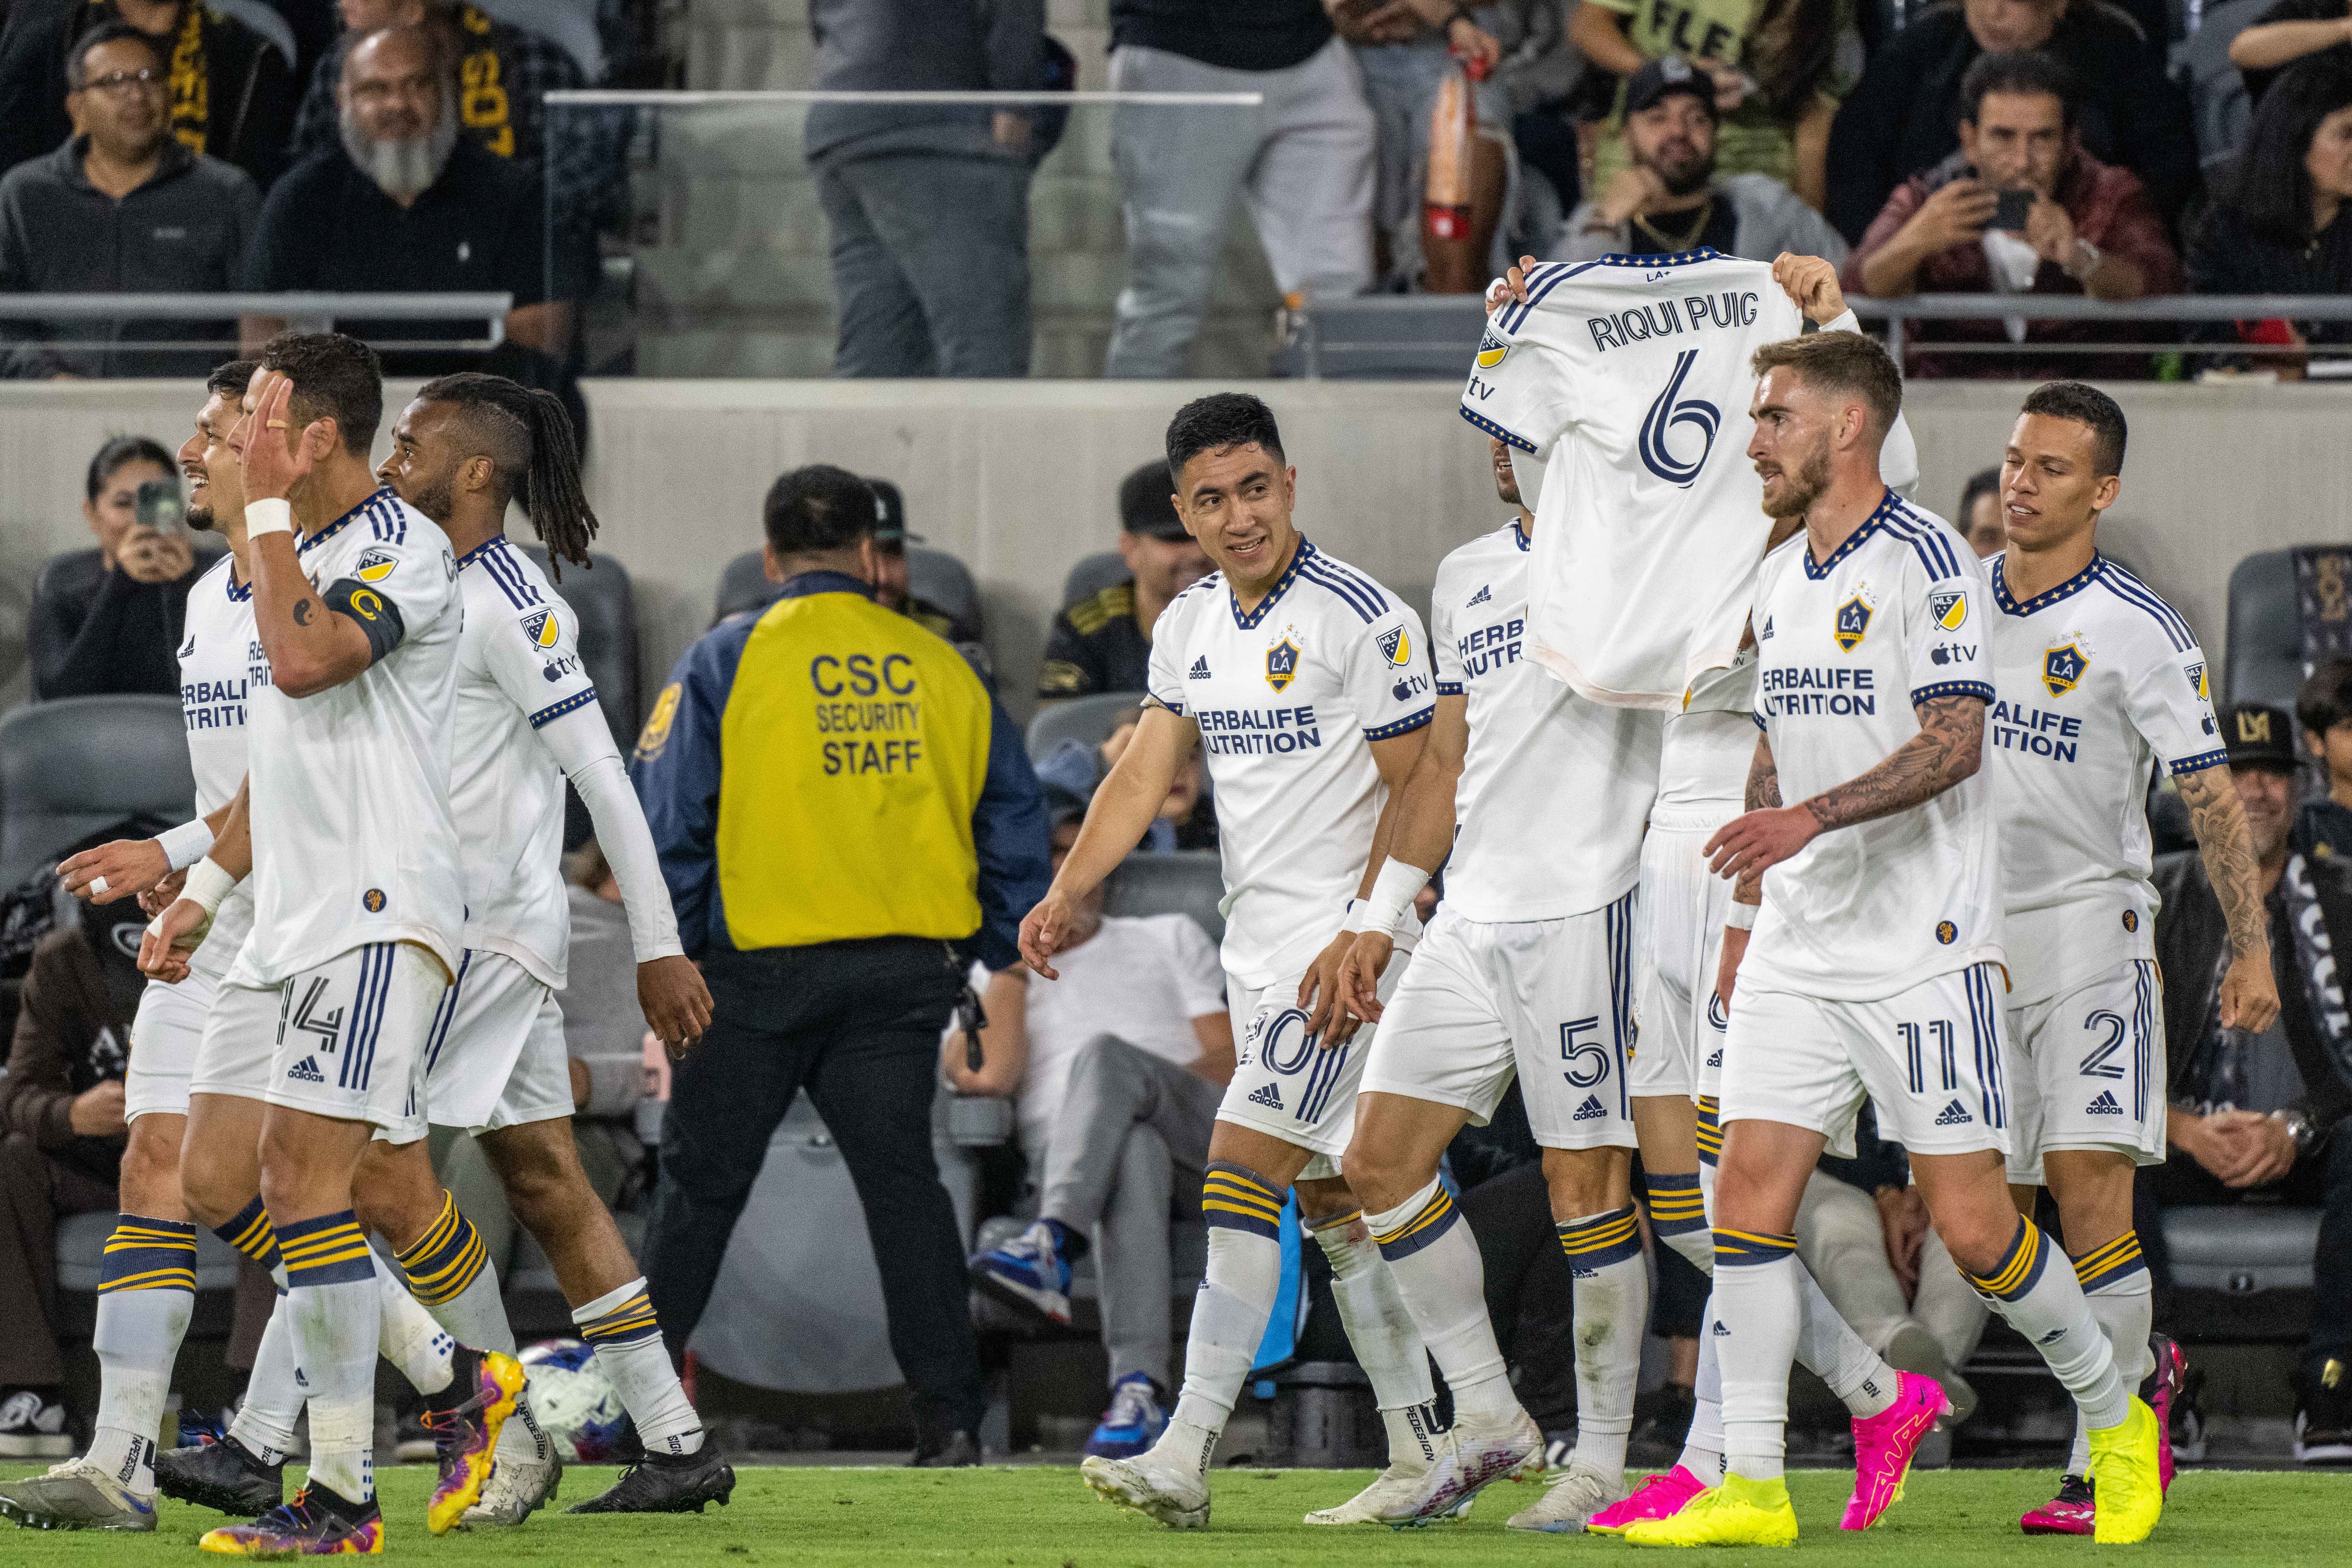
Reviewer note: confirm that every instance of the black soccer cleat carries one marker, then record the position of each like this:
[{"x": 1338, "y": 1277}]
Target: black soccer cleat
[
  {"x": 666, "y": 1483},
  {"x": 227, "y": 1475}
]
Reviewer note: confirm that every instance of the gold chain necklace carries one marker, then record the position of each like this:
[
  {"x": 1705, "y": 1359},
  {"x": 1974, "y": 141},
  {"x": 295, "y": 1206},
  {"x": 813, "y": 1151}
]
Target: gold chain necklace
[{"x": 1690, "y": 238}]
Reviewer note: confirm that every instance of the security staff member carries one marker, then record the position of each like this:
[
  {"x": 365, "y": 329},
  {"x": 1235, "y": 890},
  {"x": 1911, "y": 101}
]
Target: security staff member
[{"x": 845, "y": 818}]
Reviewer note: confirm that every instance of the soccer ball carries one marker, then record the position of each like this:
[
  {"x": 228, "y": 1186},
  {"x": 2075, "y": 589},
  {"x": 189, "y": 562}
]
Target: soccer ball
[{"x": 576, "y": 1403}]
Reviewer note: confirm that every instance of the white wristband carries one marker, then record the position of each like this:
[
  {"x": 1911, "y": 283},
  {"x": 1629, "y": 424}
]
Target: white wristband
[
  {"x": 1394, "y": 891},
  {"x": 274, "y": 516},
  {"x": 208, "y": 884},
  {"x": 1742, "y": 916},
  {"x": 185, "y": 845},
  {"x": 1356, "y": 919}
]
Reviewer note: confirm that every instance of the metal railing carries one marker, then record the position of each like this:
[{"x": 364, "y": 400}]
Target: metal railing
[{"x": 303, "y": 312}]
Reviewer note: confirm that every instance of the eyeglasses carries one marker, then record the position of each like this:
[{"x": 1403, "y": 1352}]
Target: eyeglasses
[{"x": 118, "y": 83}]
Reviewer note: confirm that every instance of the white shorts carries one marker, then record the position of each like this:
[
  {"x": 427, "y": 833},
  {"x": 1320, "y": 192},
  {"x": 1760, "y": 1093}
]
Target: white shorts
[
  {"x": 1680, "y": 1051},
  {"x": 165, "y": 1035},
  {"x": 2088, "y": 1071},
  {"x": 1550, "y": 1001},
  {"x": 239, "y": 1041},
  {"x": 1286, "y": 1084},
  {"x": 346, "y": 1036},
  {"x": 496, "y": 1056},
  {"x": 1931, "y": 1059}
]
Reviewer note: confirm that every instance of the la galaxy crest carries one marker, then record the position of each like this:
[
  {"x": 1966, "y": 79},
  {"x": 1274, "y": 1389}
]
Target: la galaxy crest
[
  {"x": 1854, "y": 622},
  {"x": 2063, "y": 668},
  {"x": 1282, "y": 661}
]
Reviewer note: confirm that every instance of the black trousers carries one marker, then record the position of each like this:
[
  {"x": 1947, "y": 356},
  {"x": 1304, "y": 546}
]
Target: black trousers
[{"x": 857, "y": 1024}]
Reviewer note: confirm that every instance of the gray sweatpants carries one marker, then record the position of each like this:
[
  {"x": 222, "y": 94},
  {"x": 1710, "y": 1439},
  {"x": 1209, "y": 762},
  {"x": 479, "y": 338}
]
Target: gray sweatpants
[
  {"x": 1302, "y": 160},
  {"x": 1132, "y": 1125},
  {"x": 1840, "y": 1241}
]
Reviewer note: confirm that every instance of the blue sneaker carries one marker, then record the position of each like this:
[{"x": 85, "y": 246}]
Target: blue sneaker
[
  {"x": 1029, "y": 1272},
  {"x": 1134, "y": 1421}
]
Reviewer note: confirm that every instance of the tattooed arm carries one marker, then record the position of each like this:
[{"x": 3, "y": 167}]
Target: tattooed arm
[
  {"x": 1948, "y": 748},
  {"x": 2250, "y": 988}
]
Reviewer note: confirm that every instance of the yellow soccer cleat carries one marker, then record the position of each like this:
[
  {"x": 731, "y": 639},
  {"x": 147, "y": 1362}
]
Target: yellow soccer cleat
[
  {"x": 2124, "y": 1478},
  {"x": 466, "y": 1432},
  {"x": 1739, "y": 1512}
]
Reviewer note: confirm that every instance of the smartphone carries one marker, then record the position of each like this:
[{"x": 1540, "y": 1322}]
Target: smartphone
[
  {"x": 2009, "y": 212},
  {"x": 160, "y": 507}
]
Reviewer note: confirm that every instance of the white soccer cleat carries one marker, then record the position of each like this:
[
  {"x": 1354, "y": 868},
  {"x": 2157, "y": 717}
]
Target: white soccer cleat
[
  {"x": 517, "y": 1488},
  {"x": 1167, "y": 1491},
  {"x": 1571, "y": 1496},
  {"x": 76, "y": 1495}
]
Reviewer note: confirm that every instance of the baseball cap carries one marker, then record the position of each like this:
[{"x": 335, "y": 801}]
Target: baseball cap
[
  {"x": 890, "y": 515},
  {"x": 1668, "y": 74},
  {"x": 2259, "y": 736},
  {"x": 1146, "y": 502}
]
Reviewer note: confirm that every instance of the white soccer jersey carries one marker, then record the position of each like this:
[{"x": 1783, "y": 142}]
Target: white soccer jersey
[
  {"x": 221, "y": 662},
  {"x": 352, "y": 838},
  {"x": 2097, "y": 680},
  {"x": 1554, "y": 788},
  {"x": 1287, "y": 699},
  {"x": 518, "y": 667},
  {"x": 1895, "y": 617},
  {"x": 1651, "y": 522},
  {"x": 1710, "y": 744}
]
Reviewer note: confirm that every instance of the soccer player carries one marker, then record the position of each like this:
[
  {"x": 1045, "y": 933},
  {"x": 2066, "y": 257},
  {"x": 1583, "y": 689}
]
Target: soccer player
[
  {"x": 1307, "y": 685},
  {"x": 2097, "y": 680},
  {"x": 1878, "y": 944}
]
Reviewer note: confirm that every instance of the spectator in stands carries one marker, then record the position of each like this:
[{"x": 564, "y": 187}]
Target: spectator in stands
[
  {"x": 2322, "y": 822},
  {"x": 407, "y": 205},
  {"x": 2258, "y": 1116},
  {"x": 1304, "y": 161},
  {"x": 2090, "y": 227},
  {"x": 2289, "y": 31},
  {"x": 2278, "y": 224},
  {"x": 1903, "y": 115},
  {"x": 1103, "y": 643},
  {"x": 123, "y": 207},
  {"x": 1406, "y": 49},
  {"x": 109, "y": 619},
  {"x": 61, "y": 1141},
  {"x": 1666, "y": 197},
  {"x": 1115, "y": 1071},
  {"x": 893, "y": 589},
  {"x": 1779, "y": 68},
  {"x": 1187, "y": 818},
  {"x": 1982, "y": 523},
  {"x": 230, "y": 76},
  {"x": 928, "y": 206}
]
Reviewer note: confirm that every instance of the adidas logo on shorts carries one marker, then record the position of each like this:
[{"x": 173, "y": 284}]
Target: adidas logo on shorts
[
  {"x": 1266, "y": 1094},
  {"x": 2104, "y": 1106},
  {"x": 306, "y": 1071},
  {"x": 1714, "y": 1058},
  {"x": 1953, "y": 1115},
  {"x": 1201, "y": 668},
  {"x": 1485, "y": 595},
  {"x": 1719, "y": 1331},
  {"x": 1589, "y": 1110}
]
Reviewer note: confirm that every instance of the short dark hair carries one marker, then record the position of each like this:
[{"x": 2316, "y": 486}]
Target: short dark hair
[
  {"x": 115, "y": 32},
  {"x": 2326, "y": 699},
  {"x": 1844, "y": 361},
  {"x": 120, "y": 450},
  {"x": 1147, "y": 499},
  {"x": 818, "y": 508},
  {"x": 233, "y": 377},
  {"x": 1215, "y": 423},
  {"x": 2270, "y": 188},
  {"x": 335, "y": 377},
  {"x": 2018, "y": 72},
  {"x": 2085, "y": 405},
  {"x": 526, "y": 435},
  {"x": 1983, "y": 482}
]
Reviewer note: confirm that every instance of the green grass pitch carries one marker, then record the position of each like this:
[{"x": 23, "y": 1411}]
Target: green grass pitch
[{"x": 1035, "y": 1516}]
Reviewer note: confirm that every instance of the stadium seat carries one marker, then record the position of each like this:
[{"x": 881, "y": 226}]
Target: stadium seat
[
  {"x": 1189, "y": 882},
  {"x": 1088, "y": 719},
  {"x": 946, "y": 584},
  {"x": 69, "y": 768},
  {"x": 606, "y": 604},
  {"x": 1092, "y": 574},
  {"x": 2241, "y": 1273},
  {"x": 2263, "y": 651},
  {"x": 743, "y": 585}
]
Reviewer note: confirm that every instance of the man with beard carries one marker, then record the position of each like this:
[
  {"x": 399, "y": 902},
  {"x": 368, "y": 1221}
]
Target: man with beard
[
  {"x": 1666, "y": 200},
  {"x": 406, "y": 205}
]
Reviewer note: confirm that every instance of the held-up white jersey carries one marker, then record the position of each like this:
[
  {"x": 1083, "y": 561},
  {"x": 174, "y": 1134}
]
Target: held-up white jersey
[
  {"x": 2097, "y": 680},
  {"x": 1649, "y": 519},
  {"x": 517, "y": 668},
  {"x": 1554, "y": 788},
  {"x": 1287, "y": 699},
  {"x": 1895, "y": 617},
  {"x": 1710, "y": 744},
  {"x": 221, "y": 662},
  {"x": 352, "y": 838}
]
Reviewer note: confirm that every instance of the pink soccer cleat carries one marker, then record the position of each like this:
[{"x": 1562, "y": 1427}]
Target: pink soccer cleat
[
  {"x": 2160, "y": 1389},
  {"x": 1658, "y": 1497},
  {"x": 1884, "y": 1445},
  {"x": 2071, "y": 1512}
]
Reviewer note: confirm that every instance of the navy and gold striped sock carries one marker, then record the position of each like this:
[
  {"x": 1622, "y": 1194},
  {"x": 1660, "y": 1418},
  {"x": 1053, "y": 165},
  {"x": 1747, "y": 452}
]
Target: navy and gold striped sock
[
  {"x": 330, "y": 1249},
  {"x": 2021, "y": 1267},
  {"x": 622, "y": 1328},
  {"x": 2047, "y": 1306},
  {"x": 446, "y": 1258},
  {"x": 148, "y": 1255},
  {"x": 251, "y": 1234},
  {"x": 146, "y": 1292},
  {"x": 1710, "y": 1130},
  {"x": 1678, "y": 1216},
  {"x": 1235, "y": 1197},
  {"x": 2110, "y": 1267},
  {"x": 631, "y": 1322},
  {"x": 1596, "y": 1241},
  {"x": 1745, "y": 1249},
  {"x": 1422, "y": 1224}
]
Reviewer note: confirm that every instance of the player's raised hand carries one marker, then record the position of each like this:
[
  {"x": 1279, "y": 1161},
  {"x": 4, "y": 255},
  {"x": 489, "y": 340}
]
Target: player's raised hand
[
  {"x": 169, "y": 937},
  {"x": 274, "y": 455},
  {"x": 1511, "y": 288},
  {"x": 1749, "y": 845},
  {"x": 1812, "y": 285},
  {"x": 115, "y": 870},
  {"x": 1360, "y": 971},
  {"x": 1043, "y": 930},
  {"x": 1329, "y": 1022},
  {"x": 677, "y": 1003},
  {"x": 2250, "y": 998}
]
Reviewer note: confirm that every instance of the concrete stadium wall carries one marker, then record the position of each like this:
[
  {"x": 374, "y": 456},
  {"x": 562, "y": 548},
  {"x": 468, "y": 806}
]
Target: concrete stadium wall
[{"x": 1017, "y": 479}]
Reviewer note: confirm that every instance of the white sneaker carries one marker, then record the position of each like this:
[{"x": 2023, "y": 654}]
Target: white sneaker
[
  {"x": 517, "y": 1488},
  {"x": 32, "y": 1427},
  {"x": 76, "y": 1495},
  {"x": 1570, "y": 1497},
  {"x": 1168, "y": 1490},
  {"x": 1479, "y": 1453},
  {"x": 1398, "y": 1491}
]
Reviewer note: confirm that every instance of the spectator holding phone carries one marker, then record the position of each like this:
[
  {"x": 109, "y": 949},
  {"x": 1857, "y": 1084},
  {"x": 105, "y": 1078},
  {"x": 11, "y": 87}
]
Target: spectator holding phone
[
  {"x": 2020, "y": 209},
  {"x": 108, "y": 620}
]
